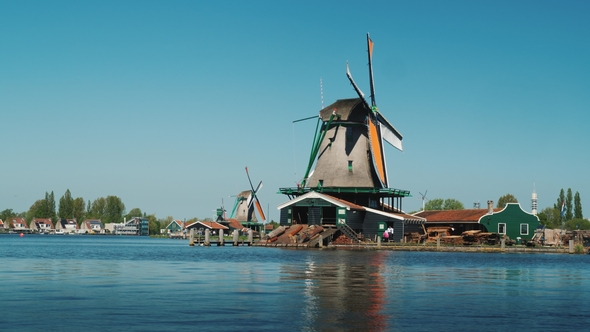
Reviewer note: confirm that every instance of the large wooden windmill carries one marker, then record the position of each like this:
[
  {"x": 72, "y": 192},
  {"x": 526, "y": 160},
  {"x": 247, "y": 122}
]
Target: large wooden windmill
[
  {"x": 350, "y": 146},
  {"x": 346, "y": 183}
]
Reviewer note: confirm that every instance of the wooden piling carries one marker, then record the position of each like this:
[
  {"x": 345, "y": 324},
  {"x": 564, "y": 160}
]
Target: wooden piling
[
  {"x": 220, "y": 243},
  {"x": 191, "y": 241},
  {"x": 250, "y": 237},
  {"x": 207, "y": 238},
  {"x": 236, "y": 237},
  {"x": 571, "y": 249}
]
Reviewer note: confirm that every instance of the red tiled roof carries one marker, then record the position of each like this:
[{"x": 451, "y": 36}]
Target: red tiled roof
[
  {"x": 469, "y": 215},
  {"x": 234, "y": 223},
  {"x": 44, "y": 221}
]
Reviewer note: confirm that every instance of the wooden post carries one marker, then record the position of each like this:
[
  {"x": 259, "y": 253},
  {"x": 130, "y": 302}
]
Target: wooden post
[
  {"x": 437, "y": 243},
  {"x": 571, "y": 246},
  {"x": 191, "y": 241},
  {"x": 378, "y": 242},
  {"x": 250, "y": 237},
  {"x": 321, "y": 241},
  {"x": 207, "y": 237},
  {"x": 503, "y": 243},
  {"x": 236, "y": 237},
  {"x": 221, "y": 238}
]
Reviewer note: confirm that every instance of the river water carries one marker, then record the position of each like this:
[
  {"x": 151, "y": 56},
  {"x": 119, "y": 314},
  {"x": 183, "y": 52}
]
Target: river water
[{"x": 110, "y": 283}]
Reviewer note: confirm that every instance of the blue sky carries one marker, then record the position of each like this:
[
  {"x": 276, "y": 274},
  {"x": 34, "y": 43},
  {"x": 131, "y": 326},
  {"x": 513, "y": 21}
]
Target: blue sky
[{"x": 163, "y": 103}]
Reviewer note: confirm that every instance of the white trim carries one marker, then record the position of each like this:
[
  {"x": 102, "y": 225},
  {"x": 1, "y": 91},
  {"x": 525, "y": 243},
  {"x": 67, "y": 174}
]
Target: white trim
[
  {"x": 393, "y": 215},
  {"x": 313, "y": 194}
]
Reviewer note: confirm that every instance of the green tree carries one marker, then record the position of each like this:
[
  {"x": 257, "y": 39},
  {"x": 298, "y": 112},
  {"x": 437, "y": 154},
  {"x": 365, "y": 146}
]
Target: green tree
[
  {"x": 66, "y": 206},
  {"x": 50, "y": 203},
  {"x": 78, "y": 209},
  {"x": 443, "y": 204},
  {"x": 98, "y": 209},
  {"x": 154, "y": 224},
  {"x": 550, "y": 217},
  {"x": 114, "y": 210},
  {"x": 503, "y": 200},
  {"x": 577, "y": 224},
  {"x": 37, "y": 210},
  {"x": 135, "y": 212},
  {"x": 569, "y": 214},
  {"x": 6, "y": 215},
  {"x": 434, "y": 204},
  {"x": 560, "y": 200},
  {"x": 452, "y": 204},
  {"x": 578, "y": 206}
]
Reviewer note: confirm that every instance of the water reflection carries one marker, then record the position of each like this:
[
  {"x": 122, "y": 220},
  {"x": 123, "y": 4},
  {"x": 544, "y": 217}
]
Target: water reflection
[{"x": 345, "y": 295}]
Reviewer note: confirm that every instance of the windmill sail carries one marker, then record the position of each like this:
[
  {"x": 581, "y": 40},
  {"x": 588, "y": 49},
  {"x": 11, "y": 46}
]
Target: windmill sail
[
  {"x": 254, "y": 198},
  {"x": 350, "y": 128}
]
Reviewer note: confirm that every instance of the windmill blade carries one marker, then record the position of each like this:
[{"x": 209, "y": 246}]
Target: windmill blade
[
  {"x": 389, "y": 133},
  {"x": 356, "y": 88},
  {"x": 370, "y": 51},
  {"x": 249, "y": 200},
  {"x": 259, "y": 208},
  {"x": 253, "y": 196}
]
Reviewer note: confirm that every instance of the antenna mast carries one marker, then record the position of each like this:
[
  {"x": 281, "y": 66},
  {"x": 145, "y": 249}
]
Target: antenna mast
[{"x": 322, "y": 93}]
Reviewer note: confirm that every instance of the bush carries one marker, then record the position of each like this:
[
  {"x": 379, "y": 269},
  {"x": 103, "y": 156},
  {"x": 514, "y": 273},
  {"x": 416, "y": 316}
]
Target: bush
[{"x": 579, "y": 249}]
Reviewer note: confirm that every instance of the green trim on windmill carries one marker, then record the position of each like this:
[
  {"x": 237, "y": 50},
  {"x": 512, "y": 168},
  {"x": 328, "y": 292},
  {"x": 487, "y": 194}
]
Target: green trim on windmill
[{"x": 317, "y": 141}]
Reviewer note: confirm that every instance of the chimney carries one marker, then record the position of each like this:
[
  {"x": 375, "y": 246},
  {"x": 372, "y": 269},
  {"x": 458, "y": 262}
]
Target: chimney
[{"x": 490, "y": 207}]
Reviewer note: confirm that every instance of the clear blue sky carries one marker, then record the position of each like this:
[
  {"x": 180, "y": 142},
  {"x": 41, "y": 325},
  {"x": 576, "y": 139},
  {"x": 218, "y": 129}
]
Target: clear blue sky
[{"x": 163, "y": 103}]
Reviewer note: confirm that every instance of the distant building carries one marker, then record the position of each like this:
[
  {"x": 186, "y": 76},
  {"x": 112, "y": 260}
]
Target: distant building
[
  {"x": 67, "y": 225},
  {"x": 19, "y": 225},
  {"x": 93, "y": 226},
  {"x": 41, "y": 225},
  {"x": 175, "y": 226},
  {"x": 135, "y": 226}
]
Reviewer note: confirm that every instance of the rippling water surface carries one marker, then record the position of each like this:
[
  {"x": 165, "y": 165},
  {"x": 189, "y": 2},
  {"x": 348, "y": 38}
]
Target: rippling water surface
[{"x": 108, "y": 283}]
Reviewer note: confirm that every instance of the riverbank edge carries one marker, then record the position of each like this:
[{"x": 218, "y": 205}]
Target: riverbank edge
[{"x": 434, "y": 248}]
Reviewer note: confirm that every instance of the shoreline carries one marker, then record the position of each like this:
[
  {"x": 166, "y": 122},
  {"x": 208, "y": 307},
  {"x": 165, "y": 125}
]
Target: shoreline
[{"x": 433, "y": 248}]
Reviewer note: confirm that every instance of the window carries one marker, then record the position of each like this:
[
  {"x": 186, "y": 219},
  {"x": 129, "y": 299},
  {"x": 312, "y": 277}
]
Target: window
[
  {"x": 373, "y": 204},
  {"x": 502, "y": 228},
  {"x": 524, "y": 229},
  {"x": 348, "y": 135}
]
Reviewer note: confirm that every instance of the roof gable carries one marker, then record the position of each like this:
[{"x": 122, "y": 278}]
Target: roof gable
[
  {"x": 310, "y": 196},
  {"x": 206, "y": 224}
]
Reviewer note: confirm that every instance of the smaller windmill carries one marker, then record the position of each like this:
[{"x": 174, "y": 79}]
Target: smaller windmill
[
  {"x": 220, "y": 212},
  {"x": 423, "y": 198},
  {"x": 243, "y": 209}
]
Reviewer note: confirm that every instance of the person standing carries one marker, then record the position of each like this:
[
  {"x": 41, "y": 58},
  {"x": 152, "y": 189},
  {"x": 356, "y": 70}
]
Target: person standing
[
  {"x": 385, "y": 236},
  {"x": 390, "y": 231}
]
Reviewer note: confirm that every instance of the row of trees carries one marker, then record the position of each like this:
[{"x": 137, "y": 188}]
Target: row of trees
[
  {"x": 453, "y": 204},
  {"x": 566, "y": 212},
  {"x": 108, "y": 209}
]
